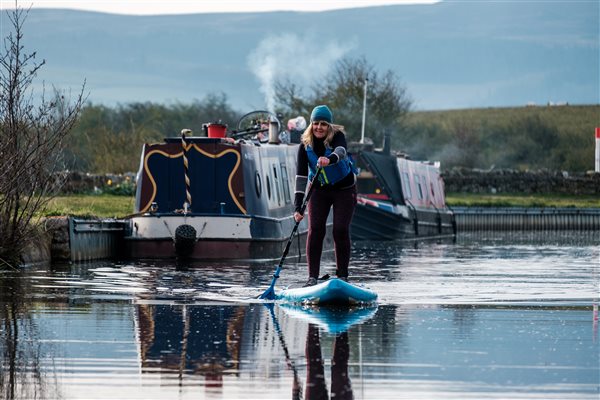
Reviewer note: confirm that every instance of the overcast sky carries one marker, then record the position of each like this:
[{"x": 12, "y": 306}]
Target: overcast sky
[{"x": 153, "y": 7}]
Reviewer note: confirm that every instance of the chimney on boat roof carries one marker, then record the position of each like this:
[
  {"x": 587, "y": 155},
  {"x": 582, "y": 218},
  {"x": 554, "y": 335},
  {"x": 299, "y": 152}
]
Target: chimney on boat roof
[{"x": 273, "y": 131}]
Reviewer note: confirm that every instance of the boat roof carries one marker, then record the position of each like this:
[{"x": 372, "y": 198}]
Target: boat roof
[{"x": 385, "y": 169}]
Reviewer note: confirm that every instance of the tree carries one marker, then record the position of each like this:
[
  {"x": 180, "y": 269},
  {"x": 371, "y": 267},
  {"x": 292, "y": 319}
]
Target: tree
[
  {"x": 109, "y": 140},
  {"x": 343, "y": 90},
  {"x": 32, "y": 133}
]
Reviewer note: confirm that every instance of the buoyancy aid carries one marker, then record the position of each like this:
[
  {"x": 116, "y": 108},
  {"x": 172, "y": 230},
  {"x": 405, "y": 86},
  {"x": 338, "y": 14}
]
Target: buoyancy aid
[{"x": 332, "y": 173}]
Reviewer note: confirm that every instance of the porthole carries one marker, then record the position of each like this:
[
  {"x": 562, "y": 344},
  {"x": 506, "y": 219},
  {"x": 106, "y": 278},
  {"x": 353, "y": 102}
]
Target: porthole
[
  {"x": 268, "y": 188},
  {"x": 257, "y": 184}
]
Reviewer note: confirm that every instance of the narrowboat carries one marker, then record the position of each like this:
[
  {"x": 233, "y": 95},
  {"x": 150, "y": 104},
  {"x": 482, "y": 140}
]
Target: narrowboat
[
  {"x": 399, "y": 198},
  {"x": 221, "y": 195}
]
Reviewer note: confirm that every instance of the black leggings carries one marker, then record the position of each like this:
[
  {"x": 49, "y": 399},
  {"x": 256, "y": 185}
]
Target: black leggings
[{"x": 322, "y": 200}]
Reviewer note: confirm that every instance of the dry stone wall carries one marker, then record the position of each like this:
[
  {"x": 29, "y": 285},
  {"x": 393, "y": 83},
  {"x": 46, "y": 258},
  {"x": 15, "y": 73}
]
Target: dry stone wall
[
  {"x": 462, "y": 180},
  {"x": 78, "y": 182},
  {"x": 457, "y": 180}
]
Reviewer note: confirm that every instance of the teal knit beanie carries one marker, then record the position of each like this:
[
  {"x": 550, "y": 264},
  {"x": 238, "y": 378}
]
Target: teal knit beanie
[{"x": 321, "y": 113}]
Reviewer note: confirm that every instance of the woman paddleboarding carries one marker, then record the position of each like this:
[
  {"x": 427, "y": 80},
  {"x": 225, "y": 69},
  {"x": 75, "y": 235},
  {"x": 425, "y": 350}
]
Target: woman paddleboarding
[{"x": 324, "y": 150}]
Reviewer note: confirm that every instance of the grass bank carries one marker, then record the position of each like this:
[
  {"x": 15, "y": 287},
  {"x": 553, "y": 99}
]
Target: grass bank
[
  {"x": 521, "y": 200},
  {"x": 97, "y": 205},
  {"x": 111, "y": 206}
]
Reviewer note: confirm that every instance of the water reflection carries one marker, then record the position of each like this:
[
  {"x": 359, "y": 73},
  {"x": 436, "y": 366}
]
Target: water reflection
[
  {"x": 182, "y": 339},
  {"x": 297, "y": 383},
  {"x": 548, "y": 238},
  {"x": 316, "y": 386},
  {"x": 328, "y": 320},
  {"x": 477, "y": 319},
  {"x": 331, "y": 319},
  {"x": 22, "y": 375},
  {"x": 247, "y": 351}
]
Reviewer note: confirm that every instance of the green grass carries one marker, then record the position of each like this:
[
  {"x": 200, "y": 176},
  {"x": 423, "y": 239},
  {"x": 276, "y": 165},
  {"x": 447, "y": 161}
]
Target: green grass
[
  {"x": 521, "y": 200},
  {"x": 557, "y": 138},
  {"x": 81, "y": 205}
]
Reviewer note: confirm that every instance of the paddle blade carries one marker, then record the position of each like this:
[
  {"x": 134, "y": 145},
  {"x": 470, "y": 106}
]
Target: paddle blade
[{"x": 269, "y": 294}]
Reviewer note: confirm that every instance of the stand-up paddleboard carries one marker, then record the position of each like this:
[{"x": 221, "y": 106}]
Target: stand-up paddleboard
[
  {"x": 332, "y": 320},
  {"x": 333, "y": 291}
]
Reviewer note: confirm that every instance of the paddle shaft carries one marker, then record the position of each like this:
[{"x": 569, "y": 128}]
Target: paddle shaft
[
  {"x": 269, "y": 294},
  {"x": 302, "y": 209}
]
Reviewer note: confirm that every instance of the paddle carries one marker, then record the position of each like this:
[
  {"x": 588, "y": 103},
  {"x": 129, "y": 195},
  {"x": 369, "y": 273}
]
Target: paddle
[
  {"x": 297, "y": 387},
  {"x": 269, "y": 294}
]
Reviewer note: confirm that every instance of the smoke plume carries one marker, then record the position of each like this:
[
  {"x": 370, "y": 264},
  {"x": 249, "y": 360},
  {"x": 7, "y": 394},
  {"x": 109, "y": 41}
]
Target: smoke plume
[{"x": 292, "y": 57}]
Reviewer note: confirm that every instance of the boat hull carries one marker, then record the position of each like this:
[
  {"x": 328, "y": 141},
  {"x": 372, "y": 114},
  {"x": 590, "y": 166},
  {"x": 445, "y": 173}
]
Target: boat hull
[
  {"x": 331, "y": 292},
  {"x": 382, "y": 221},
  {"x": 216, "y": 249},
  {"x": 219, "y": 237}
]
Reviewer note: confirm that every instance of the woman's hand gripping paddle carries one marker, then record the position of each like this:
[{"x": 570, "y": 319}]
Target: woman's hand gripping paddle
[{"x": 269, "y": 294}]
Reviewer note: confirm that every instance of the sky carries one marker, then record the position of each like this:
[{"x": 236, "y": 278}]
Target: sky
[
  {"x": 156, "y": 7},
  {"x": 490, "y": 57}
]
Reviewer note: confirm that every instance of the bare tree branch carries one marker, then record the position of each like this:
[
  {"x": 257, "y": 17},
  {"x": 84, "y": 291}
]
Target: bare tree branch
[{"x": 32, "y": 138}]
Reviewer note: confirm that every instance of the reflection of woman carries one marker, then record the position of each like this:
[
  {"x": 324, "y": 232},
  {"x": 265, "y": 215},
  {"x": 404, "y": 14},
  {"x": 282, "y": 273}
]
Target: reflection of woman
[
  {"x": 316, "y": 388},
  {"x": 324, "y": 145}
]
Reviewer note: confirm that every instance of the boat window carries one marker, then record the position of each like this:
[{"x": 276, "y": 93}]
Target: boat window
[
  {"x": 406, "y": 182},
  {"x": 286, "y": 184},
  {"x": 257, "y": 184},
  {"x": 425, "y": 192},
  {"x": 276, "y": 184},
  {"x": 268, "y": 187},
  {"x": 419, "y": 188}
]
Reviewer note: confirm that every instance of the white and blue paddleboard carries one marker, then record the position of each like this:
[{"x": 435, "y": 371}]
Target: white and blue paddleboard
[{"x": 332, "y": 291}]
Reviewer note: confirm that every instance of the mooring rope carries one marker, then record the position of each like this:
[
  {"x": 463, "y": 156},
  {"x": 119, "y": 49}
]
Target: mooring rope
[{"x": 188, "y": 194}]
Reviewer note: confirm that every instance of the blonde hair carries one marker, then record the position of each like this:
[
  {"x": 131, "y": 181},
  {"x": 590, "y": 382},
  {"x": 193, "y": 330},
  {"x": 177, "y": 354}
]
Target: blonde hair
[{"x": 307, "y": 137}]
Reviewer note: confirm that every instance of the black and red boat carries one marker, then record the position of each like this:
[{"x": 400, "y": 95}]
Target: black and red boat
[
  {"x": 399, "y": 198},
  {"x": 222, "y": 195}
]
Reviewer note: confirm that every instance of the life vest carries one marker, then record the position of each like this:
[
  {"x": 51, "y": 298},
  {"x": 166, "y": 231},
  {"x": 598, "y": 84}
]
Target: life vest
[{"x": 332, "y": 173}]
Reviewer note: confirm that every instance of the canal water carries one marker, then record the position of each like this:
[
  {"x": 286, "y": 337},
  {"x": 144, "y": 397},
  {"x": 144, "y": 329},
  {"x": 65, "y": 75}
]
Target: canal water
[{"x": 488, "y": 316}]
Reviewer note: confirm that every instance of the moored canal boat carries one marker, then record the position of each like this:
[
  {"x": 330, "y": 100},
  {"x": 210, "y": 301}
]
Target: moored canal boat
[
  {"x": 224, "y": 195},
  {"x": 399, "y": 198}
]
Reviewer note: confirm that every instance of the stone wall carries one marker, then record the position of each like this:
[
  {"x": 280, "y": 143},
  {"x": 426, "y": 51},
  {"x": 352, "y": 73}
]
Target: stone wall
[
  {"x": 50, "y": 243},
  {"x": 57, "y": 228},
  {"x": 457, "y": 180},
  {"x": 462, "y": 180},
  {"x": 78, "y": 182}
]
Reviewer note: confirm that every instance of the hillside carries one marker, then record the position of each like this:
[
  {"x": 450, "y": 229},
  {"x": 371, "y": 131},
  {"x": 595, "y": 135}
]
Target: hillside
[
  {"x": 451, "y": 54},
  {"x": 108, "y": 140},
  {"x": 534, "y": 137},
  {"x": 579, "y": 119}
]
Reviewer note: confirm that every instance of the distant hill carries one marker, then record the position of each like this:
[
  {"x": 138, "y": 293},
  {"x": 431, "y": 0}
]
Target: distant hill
[
  {"x": 453, "y": 54},
  {"x": 533, "y": 137}
]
